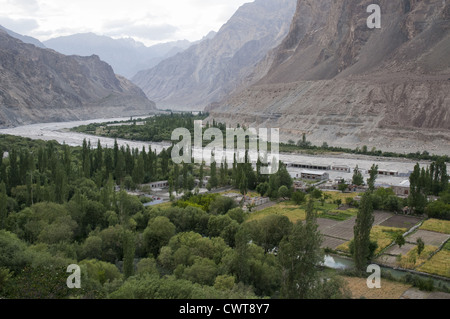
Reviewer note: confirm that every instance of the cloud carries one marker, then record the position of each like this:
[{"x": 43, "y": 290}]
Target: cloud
[
  {"x": 26, "y": 6},
  {"x": 21, "y": 26},
  {"x": 150, "y": 32}
]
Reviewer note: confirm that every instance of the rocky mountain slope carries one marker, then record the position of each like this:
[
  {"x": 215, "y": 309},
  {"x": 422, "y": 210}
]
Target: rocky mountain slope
[
  {"x": 342, "y": 83},
  {"x": 41, "y": 85},
  {"x": 206, "y": 72},
  {"x": 126, "y": 56},
  {"x": 24, "y": 38}
]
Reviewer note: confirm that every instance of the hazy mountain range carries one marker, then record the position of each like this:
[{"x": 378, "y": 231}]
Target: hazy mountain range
[
  {"x": 305, "y": 66},
  {"x": 209, "y": 70},
  {"x": 126, "y": 56},
  {"x": 41, "y": 85}
]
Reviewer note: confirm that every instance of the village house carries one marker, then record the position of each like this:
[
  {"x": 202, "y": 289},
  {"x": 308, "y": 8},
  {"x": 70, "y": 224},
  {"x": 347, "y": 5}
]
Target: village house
[
  {"x": 402, "y": 189},
  {"x": 315, "y": 175}
]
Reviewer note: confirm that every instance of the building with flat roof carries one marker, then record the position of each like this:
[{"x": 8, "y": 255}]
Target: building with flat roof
[
  {"x": 386, "y": 172},
  {"x": 402, "y": 189},
  {"x": 159, "y": 185},
  {"x": 341, "y": 168},
  {"x": 319, "y": 167},
  {"x": 315, "y": 175}
]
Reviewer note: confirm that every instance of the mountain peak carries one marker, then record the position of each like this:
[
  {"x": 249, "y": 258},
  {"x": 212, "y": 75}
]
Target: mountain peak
[
  {"x": 41, "y": 85},
  {"x": 210, "y": 69}
]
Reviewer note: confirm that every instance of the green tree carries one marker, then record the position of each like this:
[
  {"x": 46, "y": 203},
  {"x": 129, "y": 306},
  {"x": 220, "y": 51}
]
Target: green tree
[
  {"x": 299, "y": 256},
  {"x": 420, "y": 246},
  {"x": 221, "y": 205},
  {"x": 213, "y": 181},
  {"x": 203, "y": 271},
  {"x": 14, "y": 254},
  {"x": 13, "y": 176},
  {"x": 3, "y": 205},
  {"x": 298, "y": 197},
  {"x": 417, "y": 198},
  {"x": 157, "y": 234},
  {"x": 129, "y": 249},
  {"x": 373, "y": 173},
  {"x": 283, "y": 192},
  {"x": 358, "y": 178},
  {"x": 271, "y": 230},
  {"x": 138, "y": 171},
  {"x": 400, "y": 240},
  {"x": 262, "y": 188},
  {"x": 342, "y": 187},
  {"x": 362, "y": 228}
]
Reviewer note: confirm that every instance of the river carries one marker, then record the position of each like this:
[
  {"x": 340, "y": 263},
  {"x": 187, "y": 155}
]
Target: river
[{"x": 61, "y": 133}]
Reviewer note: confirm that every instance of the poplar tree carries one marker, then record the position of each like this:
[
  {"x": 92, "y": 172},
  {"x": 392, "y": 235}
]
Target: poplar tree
[
  {"x": 3, "y": 205},
  {"x": 373, "y": 176},
  {"x": 417, "y": 199},
  {"x": 213, "y": 180},
  {"x": 13, "y": 175},
  {"x": 129, "y": 249},
  {"x": 201, "y": 175},
  {"x": 357, "y": 179},
  {"x": 299, "y": 256},
  {"x": 362, "y": 228}
]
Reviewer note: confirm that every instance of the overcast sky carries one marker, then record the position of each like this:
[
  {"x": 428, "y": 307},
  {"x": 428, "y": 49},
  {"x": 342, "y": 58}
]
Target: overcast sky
[{"x": 148, "y": 21}]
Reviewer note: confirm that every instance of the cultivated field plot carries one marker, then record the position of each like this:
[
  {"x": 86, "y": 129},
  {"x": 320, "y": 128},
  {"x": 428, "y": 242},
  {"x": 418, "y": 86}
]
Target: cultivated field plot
[
  {"x": 400, "y": 221},
  {"x": 406, "y": 257},
  {"x": 342, "y": 230},
  {"x": 324, "y": 224},
  {"x": 396, "y": 250},
  {"x": 415, "y": 293},
  {"x": 429, "y": 237},
  {"x": 381, "y": 217},
  {"x": 332, "y": 243},
  {"x": 439, "y": 264},
  {"x": 388, "y": 290},
  {"x": 439, "y": 226}
]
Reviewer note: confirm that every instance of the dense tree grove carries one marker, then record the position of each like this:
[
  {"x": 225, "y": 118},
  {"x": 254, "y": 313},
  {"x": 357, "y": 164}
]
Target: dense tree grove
[
  {"x": 62, "y": 205},
  {"x": 432, "y": 180}
]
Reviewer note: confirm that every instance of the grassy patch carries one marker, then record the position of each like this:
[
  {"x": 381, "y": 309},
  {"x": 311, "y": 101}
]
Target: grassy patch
[
  {"x": 437, "y": 225},
  {"x": 339, "y": 215},
  {"x": 411, "y": 260},
  {"x": 293, "y": 212},
  {"x": 341, "y": 196},
  {"x": 439, "y": 264},
  {"x": 383, "y": 235},
  {"x": 447, "y": 246}
]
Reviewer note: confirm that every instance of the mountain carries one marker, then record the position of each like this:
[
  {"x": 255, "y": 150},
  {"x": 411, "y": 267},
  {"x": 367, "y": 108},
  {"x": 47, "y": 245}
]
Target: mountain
[
  {"x": 24, "y": 38},
  {"x": 209, "y": 70},
  {"x": 41, "y": 85},
  {"x": 343, "y": 83},
  {"x": 126, "y": 56}
]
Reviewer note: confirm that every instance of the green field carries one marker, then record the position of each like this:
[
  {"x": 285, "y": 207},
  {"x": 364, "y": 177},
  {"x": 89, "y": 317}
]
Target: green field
[
  {"x": 383, "y": 235},
  {"x": 437, "y": 225}
]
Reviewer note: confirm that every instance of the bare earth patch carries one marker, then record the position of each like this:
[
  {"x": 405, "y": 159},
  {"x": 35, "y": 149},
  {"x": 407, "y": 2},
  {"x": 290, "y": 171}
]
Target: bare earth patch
[
  {"x": 388, "y": 290},
  {"x": 429, "y": 237},
  {"x": 400, "y": 221}
]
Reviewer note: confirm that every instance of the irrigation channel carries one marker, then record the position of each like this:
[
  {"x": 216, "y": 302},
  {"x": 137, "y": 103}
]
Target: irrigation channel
[{"x": 344, "y": 263}]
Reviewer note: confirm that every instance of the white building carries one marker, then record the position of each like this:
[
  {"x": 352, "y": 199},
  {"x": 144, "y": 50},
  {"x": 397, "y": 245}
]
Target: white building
[{"x": 402, "y": 189}]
